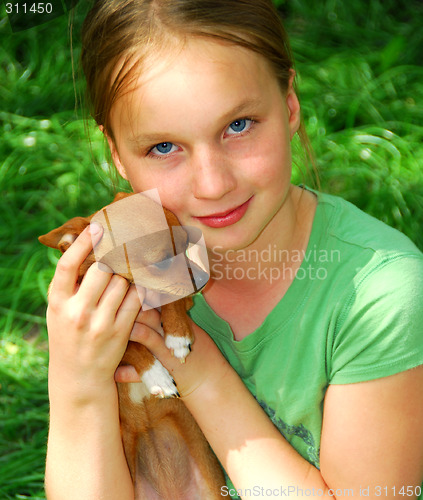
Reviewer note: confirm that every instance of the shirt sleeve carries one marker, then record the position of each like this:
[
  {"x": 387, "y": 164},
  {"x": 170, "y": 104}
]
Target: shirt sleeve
[{"x": 379, "y": 330}]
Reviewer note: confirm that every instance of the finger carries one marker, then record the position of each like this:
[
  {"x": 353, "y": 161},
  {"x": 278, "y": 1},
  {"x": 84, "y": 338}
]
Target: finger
[
  {"x": 151, "y": 318},
  {"x": 153, "y": 340},
  {"x": 126, "y": 374},
  {"x": 94, "y": 283},
  {"x": 128, "y": 310},
  {"x": 67, "y": 270},
  {"x": 113, "y": 295}
]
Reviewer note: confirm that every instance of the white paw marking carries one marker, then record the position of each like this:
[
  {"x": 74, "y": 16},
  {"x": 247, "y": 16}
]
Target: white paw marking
[
  {"x": 138, "y": 392},
  {"x": 159, "y": 382},
  {"x": 179, "y": 346}
]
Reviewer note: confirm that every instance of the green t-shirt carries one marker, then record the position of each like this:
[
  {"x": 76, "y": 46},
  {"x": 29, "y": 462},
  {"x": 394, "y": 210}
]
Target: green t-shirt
[{"x": 353, "y": 313}]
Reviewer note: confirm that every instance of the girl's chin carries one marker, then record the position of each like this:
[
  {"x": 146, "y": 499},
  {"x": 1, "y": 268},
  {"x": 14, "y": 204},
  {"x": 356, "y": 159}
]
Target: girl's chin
[{"x": 230, "y": 243}]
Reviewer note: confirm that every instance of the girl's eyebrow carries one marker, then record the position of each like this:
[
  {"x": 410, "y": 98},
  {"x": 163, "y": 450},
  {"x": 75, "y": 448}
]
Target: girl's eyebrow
[
  {"x": 150, "y": 138},
  {"x": 245, "y": 107},
  {"x": 249, "y": 105}
]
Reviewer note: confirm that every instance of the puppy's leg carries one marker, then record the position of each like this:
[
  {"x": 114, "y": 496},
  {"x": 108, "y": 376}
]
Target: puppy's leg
[
  {"x": 178, "y": 333},
  {"x": 154, "y": 377}
]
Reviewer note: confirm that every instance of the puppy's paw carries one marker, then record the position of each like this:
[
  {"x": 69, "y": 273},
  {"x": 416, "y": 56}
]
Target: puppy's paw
[
  {"x": 158, "y": 381},
  {"x": 180, "y": 347}
]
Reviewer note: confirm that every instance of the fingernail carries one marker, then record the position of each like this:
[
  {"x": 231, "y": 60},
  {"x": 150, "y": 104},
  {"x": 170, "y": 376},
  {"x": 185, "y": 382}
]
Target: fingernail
[
  {"x": 95, "y": 228},
  {"x": 104, "y": 267}
]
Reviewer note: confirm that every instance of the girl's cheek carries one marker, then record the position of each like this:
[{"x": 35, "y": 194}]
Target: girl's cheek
[{"x": 170, "y": 190}]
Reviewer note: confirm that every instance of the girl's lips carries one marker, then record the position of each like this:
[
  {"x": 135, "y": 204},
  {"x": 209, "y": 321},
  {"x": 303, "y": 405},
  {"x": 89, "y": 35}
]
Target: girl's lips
[{"x": 226, "y": 218}]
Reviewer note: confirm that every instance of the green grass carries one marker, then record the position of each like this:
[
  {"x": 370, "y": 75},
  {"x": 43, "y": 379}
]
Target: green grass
[
  {"x": 361, "y": 88},
  {"x": 24, "y": 417}
]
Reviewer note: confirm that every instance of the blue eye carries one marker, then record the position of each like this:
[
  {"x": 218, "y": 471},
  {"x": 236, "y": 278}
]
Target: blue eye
[
  {"x": 163, "y": 148},
  {"x": 238, "y": 126}
]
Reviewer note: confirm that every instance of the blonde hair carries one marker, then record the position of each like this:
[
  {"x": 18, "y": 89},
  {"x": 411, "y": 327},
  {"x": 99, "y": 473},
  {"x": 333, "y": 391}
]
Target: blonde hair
[{"x": 118, "y": 35}]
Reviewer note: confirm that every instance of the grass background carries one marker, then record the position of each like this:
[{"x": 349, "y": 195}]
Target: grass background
[{"x": 361, "y": 88}]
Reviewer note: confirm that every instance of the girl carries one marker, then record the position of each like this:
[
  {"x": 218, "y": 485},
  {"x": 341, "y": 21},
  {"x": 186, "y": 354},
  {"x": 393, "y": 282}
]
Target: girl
[{"x": 305, "y": 375}]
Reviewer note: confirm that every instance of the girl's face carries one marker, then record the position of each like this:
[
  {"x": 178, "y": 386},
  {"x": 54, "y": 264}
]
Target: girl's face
[{"x": 210, "y": 128}]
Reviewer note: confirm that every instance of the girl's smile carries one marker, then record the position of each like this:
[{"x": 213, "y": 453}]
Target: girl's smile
[
  {"x": 226, "y": 218},
  {"x": 210, "y": 128}
]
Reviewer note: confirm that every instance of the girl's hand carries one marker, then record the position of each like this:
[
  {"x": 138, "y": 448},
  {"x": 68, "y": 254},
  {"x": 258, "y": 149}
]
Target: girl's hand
[
  {"x": 88, "y": 324},
  {"x": 204, "y": 367}
]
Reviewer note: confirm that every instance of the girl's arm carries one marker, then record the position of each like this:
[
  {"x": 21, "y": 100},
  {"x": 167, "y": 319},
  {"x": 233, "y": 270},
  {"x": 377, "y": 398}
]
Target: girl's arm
[
  {"x": 372, "y": 437},
  {"x": 88, "y": 327},
  {"x": 85, "y": 459}
]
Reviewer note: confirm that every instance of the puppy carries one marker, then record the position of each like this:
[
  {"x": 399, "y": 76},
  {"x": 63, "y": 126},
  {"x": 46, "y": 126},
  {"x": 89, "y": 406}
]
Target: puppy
[{"x": 167, "y": 454}]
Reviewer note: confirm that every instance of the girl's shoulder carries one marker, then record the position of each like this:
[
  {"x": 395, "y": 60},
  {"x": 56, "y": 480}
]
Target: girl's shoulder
[
  {"x": 375, "y": 288},
  {"x": 344, "y": 224}
]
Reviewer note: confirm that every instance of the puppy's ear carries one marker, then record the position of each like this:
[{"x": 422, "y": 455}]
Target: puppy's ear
[{"x": 63, "y": 236}]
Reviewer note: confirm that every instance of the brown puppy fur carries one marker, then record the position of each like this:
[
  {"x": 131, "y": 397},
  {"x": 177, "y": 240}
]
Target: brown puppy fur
[{"x": 167, "y": 454}]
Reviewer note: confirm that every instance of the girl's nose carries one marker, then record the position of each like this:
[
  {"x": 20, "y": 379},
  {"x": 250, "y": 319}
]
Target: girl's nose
[{"x": 212, "y": 174}]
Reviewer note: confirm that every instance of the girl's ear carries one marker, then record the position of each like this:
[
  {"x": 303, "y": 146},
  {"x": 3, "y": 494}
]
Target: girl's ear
[
  {"x": 293, "y": 105},
  {"x": 115, "y": 154}
]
